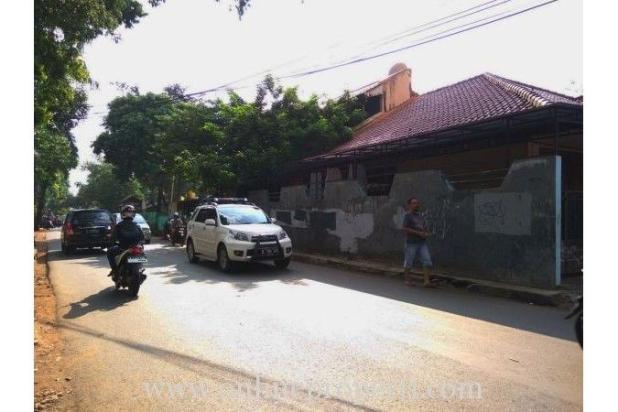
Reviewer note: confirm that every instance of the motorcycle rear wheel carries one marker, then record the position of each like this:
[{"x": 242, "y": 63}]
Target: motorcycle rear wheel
[
  {"x": 579, "y": 330},
  {"x": 134, "y": 282}
]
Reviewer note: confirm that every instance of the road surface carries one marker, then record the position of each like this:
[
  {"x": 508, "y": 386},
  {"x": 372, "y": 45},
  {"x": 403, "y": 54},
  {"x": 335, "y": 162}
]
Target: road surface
[{"x": 308, "y": 338}]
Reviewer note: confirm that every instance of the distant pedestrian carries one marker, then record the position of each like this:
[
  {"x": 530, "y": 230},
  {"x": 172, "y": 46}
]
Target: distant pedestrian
[{"x": 415, "y": 227}]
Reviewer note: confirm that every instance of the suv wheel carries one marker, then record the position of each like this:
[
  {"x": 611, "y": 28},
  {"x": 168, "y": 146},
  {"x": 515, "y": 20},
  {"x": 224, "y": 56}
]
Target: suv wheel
[
  {"x": 282, "y": 263},
  {"x": 191, "y": 252},
  {"x": 68, "y": 249},
  {"x": 225, "y": 264}
]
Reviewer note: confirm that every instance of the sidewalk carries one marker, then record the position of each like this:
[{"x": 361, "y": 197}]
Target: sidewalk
[{"x": 550, "y": 297}]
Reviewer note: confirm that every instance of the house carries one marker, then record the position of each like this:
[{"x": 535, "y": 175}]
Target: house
[{"x": 496, "y": 163}]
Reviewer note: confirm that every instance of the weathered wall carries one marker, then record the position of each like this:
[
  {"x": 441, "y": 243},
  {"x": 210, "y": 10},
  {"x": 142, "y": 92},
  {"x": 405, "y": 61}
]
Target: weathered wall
[{"x": 506, "y": 234}]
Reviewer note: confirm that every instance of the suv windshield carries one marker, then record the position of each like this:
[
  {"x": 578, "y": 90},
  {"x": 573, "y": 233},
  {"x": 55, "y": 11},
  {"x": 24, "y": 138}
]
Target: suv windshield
[
  {"x": 91, "y": 218},
  {"x": 241, "y": 215}
]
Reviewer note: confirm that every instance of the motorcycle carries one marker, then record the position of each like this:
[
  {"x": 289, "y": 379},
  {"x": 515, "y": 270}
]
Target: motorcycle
[
  {"x": 578, "y": 311},
  {"x": 130, "y": 269},
  {"x": 178, "y": 236}
]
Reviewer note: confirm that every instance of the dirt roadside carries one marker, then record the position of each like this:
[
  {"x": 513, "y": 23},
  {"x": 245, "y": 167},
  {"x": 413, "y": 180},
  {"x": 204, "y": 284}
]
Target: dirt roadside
[{"x": 52, "y": 386}]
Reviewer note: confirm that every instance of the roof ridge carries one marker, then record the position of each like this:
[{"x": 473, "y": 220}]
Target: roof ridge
[
  {"x": 517, "y": 89},
  {"x": 566, "y": 96},
  {"x": 451, "y": 85}
]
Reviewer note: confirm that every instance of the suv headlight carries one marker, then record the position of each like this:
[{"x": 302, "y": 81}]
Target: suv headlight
[
  {"x": 239, "y": 235},
  {"x": 283, "y": 235}
]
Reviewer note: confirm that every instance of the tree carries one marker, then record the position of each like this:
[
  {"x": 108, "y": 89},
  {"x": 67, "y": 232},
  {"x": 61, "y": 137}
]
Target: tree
[
  {"x": 61, "y": 29},
  {"x": 53, "y": 158},
  {"x": 104, "y": 189},
  {"x": 220, "y": 147}
]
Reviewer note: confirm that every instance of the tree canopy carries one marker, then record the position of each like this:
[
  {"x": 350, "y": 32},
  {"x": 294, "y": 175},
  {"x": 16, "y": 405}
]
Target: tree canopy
[
  {"x": 61, "y": 78},
  {"x": 104, "y": 189},
  {"x": 222, "y": 147}
]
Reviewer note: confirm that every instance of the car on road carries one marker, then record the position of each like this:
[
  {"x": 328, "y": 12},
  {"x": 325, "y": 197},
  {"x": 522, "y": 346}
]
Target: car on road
[
  {"x": 87, "y": 228},
  {"x": 143, "y": 224},
  {"x": 231, "y": 230}
]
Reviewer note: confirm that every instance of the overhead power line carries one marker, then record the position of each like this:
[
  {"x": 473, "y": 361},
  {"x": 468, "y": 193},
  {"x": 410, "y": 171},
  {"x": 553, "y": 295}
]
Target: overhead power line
[
  {"x": 422, "y": 27},
  {"x": 432, "y": 38},
  {"x": 426, "y": 40},
  {"x": 432, "y": 25},
  {"x": 410, "y": 46}
]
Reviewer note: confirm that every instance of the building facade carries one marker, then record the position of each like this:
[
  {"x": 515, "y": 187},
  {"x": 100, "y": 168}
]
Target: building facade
[{"x": 497, "y": 165}]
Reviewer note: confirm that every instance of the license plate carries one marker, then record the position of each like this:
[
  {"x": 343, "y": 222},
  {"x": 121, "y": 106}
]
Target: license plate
[
  {"x": 137, "y": 259},
  {"x": 93, "y": 231},
  {"x": 267, "y": 251}
]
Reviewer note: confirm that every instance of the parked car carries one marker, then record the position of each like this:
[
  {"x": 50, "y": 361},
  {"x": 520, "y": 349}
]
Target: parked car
[
  {"x": 234, "y": 230},
  {"x": 139, "y": 219},
  {"x": 86, "y": 228}
]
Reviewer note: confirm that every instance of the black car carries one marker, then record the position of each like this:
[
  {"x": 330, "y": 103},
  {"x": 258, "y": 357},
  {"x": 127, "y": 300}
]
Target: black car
[{"x": 86, "y": 229}]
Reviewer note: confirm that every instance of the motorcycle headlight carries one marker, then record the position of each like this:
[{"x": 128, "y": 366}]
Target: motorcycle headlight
[
  {"x": 239, "y": 235},
  {"x": 283, "y": 235}
]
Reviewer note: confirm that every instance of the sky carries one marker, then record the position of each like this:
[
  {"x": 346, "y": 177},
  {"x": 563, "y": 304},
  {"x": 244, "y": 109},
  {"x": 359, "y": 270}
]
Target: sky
[{"x": 201, "y": 44}]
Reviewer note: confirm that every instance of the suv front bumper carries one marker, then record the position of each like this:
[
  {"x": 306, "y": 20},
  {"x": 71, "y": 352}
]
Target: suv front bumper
[{"x": 241, "y": 251}]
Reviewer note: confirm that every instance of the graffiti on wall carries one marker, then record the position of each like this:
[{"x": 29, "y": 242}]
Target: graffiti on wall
[
  {"x": 349, "y": 227},
  {"x": 437, "y": 217},
  {"x": 504, "y": 213}
]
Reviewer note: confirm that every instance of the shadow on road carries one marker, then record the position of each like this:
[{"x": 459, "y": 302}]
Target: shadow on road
[
  {"x": 243, "y": 278},
  {"x": 103, "y": 300},
  {"x": 220, "y": 373},
  {"x": 171, "y": 264}
]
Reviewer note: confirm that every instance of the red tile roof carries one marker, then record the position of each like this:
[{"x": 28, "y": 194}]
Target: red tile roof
[{"x": 480, "y": 98}]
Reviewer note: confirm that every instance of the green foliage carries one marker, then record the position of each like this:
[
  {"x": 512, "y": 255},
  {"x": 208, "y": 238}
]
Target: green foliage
[
  {"x": 220, "y": 147},
  {"x": 61, "y": 29},
  {"x": 104, "y": 189},
  {"x": 53, "y": 158}
]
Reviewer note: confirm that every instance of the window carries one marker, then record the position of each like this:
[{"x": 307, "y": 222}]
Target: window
[
  {"x": 380, "y": 180},
  {"x": 344, "y": 171},
  {"x": 211, "y": 214},
  {"x": 91, "y": 218},
  {"x": 274, "y": 193},
  {"x": 373, "y": 105},
  {"x": 201, "y": 216},
  {"x": 317, "y": 181}
]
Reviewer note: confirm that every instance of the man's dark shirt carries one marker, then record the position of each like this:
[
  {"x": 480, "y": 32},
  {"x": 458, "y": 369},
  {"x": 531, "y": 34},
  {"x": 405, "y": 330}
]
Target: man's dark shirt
[
  {"x": 414, "y": 220},
  {"x": 127, "y": 233}
]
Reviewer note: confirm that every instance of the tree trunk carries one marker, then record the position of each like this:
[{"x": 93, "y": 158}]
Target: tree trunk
[
  {"x": 160, "y": 197},
  {"x": 40, "y": 204}
]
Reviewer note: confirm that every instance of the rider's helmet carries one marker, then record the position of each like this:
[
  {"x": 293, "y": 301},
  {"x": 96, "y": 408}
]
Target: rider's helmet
[
  {"x": 176, "y": 215},
  {"x": 127, "y": 212}
]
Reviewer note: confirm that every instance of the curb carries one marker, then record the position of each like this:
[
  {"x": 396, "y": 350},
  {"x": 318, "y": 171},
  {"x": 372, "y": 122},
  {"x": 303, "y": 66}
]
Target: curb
[{"x": 557, "y": 298}]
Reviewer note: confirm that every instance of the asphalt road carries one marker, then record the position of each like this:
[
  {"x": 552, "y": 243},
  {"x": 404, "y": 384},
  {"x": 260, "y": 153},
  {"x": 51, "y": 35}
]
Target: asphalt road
[{"x": 308, "y": 338}]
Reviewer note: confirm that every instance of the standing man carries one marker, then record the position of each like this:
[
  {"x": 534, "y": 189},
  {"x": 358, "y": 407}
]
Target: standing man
[{"x": 415, "y": 227}]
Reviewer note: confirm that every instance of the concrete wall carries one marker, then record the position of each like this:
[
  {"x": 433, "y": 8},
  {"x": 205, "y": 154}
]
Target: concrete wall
[{"x": 506, "y": 234}]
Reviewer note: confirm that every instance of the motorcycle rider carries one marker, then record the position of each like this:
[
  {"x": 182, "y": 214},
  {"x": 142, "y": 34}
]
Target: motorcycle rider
[
  {"x": 126, "y": 234},
  {"x": 176, "y": 221},
  {"x": 175, "y": 224}
]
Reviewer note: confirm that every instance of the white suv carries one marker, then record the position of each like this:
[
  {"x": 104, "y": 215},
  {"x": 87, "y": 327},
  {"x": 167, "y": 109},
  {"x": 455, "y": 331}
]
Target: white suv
[{"x": 234, "y": 230}]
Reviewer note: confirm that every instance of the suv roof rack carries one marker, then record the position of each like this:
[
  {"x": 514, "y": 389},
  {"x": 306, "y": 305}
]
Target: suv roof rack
[{"x": 212, "y": 200}]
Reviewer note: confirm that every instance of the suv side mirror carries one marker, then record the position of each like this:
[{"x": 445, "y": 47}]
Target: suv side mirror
[
  {"x": 273, "y": 220},
  {"x": 210, "y": 222}
]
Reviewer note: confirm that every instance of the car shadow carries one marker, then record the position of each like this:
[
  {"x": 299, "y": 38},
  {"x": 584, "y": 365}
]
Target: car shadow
[{"x": 243, "y": 277}]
